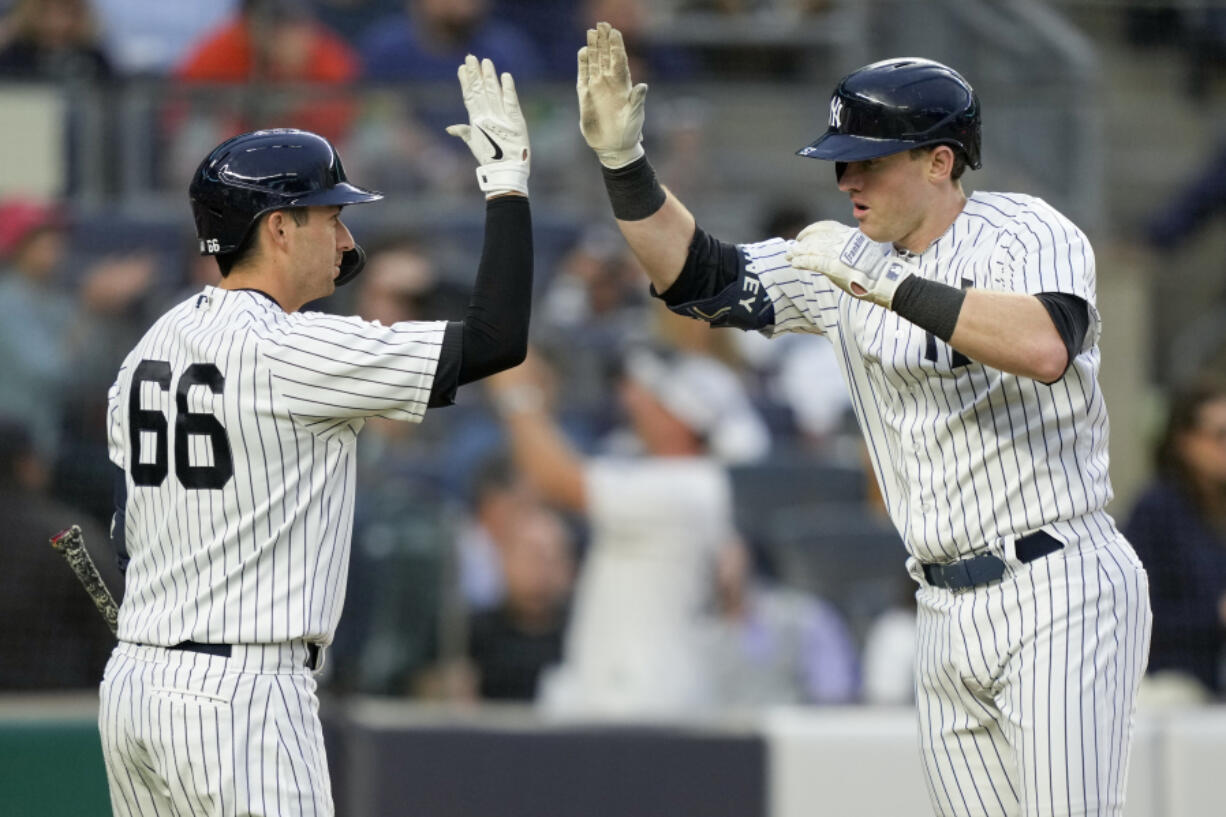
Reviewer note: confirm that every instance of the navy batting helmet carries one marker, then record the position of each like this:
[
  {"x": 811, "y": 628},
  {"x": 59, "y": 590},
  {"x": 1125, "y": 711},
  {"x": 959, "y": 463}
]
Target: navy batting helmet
[
  {"x": 265, "y": 170},
  {"x": 896, "y": 105}
]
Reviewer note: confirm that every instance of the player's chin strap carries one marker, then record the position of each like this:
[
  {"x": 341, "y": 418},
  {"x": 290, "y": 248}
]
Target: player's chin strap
[{"x": 351, "y": 264}]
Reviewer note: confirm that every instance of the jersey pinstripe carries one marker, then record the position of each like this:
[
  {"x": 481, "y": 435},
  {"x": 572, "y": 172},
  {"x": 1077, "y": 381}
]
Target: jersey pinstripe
[
  {"x": 1024, "y": 455},
  {"x": 1026, "y": 686},
  {"x": 235, "y": 424}
]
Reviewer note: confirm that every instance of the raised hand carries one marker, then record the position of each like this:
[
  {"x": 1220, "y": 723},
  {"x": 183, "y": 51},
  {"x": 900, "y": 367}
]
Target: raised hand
[
  {"x": 496, "y": 132},
  {"x": 610, "y": 107}
]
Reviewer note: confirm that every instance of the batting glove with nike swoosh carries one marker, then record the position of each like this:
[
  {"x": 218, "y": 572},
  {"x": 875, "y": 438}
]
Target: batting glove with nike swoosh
[
  {"x": 496, "y": 134},
  {"x": 611, "y": 110},
  {"x": 863, "y": 268}
]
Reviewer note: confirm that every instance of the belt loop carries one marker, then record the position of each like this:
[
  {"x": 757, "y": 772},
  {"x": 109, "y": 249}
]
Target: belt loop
[
  {"x": 1009, "y": 551},
  {"x": 315, "y": 656}
]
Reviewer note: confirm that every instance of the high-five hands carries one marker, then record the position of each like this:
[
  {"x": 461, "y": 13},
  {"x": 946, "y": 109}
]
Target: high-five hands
[
  {"x": 610, "y": 107},
  {"x": 496, "y": 134},
  {"x": 856, "y": 264}
]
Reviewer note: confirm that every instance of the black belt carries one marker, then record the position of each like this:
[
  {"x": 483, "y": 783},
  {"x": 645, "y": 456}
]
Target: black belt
[
  {"x": 225, "y": 650},
  {"x": 987, "y": 567}
]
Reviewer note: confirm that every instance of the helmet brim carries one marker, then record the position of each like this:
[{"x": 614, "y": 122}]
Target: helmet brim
[
  {"x": 340, "y": 194},
  {"x": 844, "y": 147}
]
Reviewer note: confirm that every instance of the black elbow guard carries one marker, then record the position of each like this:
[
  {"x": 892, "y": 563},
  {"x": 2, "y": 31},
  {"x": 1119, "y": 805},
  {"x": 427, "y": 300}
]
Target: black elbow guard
[{"x": 720, "y": 286}]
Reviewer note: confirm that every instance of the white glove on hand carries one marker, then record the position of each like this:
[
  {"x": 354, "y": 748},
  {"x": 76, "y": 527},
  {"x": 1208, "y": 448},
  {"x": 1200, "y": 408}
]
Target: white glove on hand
[
  {"x": 496, "y": 134},
  {"x": 610, "y": 110},
  {"x": 863, "y": 268}
]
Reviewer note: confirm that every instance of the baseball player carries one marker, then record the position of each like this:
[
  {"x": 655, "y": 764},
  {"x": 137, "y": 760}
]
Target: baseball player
[
  {"x": 966, "y": 330},
  {"x": 234, "y": 422}
]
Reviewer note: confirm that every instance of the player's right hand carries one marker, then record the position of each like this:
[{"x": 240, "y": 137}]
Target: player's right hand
[
  {"x": 610, "y": 108},
  {"x": 863, "y": 268},
  {"x": 496, "y": 134}
]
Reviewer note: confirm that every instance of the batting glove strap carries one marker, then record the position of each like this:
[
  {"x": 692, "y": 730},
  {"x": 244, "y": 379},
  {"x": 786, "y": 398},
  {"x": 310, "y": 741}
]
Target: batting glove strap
[
  {"x": 618, "y": 159},
  {"x": 497, "y": 178}
]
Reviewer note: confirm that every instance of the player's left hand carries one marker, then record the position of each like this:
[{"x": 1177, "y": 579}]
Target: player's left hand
[
  {"x": 863, "y": 268},
  {"x": 496, "y": 134}
]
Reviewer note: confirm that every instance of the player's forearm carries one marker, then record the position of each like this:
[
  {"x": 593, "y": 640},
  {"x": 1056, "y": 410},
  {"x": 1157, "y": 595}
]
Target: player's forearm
[
  {"x": 539, "y": 449},
  {"x": 496, "y": 322},
  {"x": 654, "y": 222},
  {"x": 661, "y": 241},
  {"x": 1012, "y": 332}
]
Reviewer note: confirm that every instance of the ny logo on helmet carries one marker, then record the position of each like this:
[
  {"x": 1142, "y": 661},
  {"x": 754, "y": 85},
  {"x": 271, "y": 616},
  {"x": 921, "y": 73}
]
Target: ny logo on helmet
[{"x": 836, "y": 111}]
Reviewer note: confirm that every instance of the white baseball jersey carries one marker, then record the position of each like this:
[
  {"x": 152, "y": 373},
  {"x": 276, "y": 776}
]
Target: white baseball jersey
[
  {"x": 235, "y": 424},
  {"x": 1026, "y": 686},
  {"x": 1022, "y": 455}
]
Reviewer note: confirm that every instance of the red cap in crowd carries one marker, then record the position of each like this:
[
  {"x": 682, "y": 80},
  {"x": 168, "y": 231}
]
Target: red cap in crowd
[{"x": 21, "y": 218}]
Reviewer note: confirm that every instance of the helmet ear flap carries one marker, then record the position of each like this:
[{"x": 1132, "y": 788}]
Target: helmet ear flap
[{"x": 352, "y": 262}]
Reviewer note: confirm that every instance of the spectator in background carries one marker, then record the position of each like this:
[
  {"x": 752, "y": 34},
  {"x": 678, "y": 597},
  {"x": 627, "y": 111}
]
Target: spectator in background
[
  {"x": 1200, "y": 197},
  {"x": 278, "y": 42},
  {"x": 429, "y": 38},
  {"x": 657, "y": 520},
  {"x": 350, "y": 18},
  {"x": 401, "y": 279},
  {"x": 649, "y": 60},
  {"x": 48, "y": 335},
  {"x": 399, "y": 617},
  {"x": 52, "y": 40},
  {"x": 149, "y": 37},
  {"x": 777, "y": 645},
  {"x": 1178, "y": 527},
  {"x": 499, "y": 503},
  {"x": 54, "y": 638},
  {"x": 512, "y": 643},
  {"x": 590, "y": 309},
  {"x": 798, "y": 377}
]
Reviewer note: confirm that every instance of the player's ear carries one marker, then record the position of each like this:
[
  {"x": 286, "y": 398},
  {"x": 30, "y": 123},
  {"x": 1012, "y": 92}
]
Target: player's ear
[
  {"x": 940, "y": 163},
  {"x": 276, "y": 228}
]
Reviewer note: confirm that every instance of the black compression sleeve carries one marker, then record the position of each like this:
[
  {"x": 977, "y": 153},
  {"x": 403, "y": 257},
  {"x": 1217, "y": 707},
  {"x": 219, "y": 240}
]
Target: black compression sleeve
[
  {"x": 494, "y": 333},
  {"x": 710, "y": 267},
  {"x": 1071, "y": 315},
  {"x": 496, "y": 324}
]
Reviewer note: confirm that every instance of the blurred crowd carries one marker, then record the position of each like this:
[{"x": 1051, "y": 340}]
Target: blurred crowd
[{"x": 648, "y": 517}]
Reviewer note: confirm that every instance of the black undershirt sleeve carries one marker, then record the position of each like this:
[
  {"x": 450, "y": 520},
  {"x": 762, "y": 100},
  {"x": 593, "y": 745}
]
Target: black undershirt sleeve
[
  {"x": 710, "y": 267},
  {"x": 1071, "y": 315},
  {"x": 494, "y": 333}
]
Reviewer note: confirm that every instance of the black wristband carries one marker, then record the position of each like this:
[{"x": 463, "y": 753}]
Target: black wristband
[
  {"x": 634, "y": 191},
  {"x": 929, "y": 305}
]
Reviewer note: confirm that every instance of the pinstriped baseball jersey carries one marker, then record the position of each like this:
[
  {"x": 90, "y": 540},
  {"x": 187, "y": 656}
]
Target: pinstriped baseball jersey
[
  {"x": 235, "y": 424},
  {"x": 1026, "y": 686},
  {"x": 1022, "y": 455}
]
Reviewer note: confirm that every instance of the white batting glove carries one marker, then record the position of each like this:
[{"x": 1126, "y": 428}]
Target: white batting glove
[
  {"x": 863, "y": 268},
  {"x": 610, "y": 109},
  {"x": 496, "y": 134}
]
